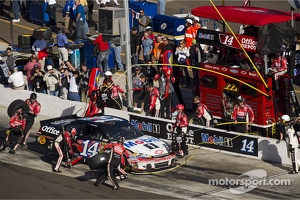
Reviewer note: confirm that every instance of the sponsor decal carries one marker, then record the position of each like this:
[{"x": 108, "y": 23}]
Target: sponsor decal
[
  {"x": 158, "y": 151},
  {"x": 51, "y": 130},
  {"x": 180, "y": 28},
  {"x": 163, "y": 26},
  {"x": 148, "y": 142},
  {"x": 234, "y": 71},
  {"x": 148, "y": 127},
  {"x": 217, "y": 140},
  {"x": 252, "y": 74},
  {"x": 206, "y": 36},
  {"x": 243, "y": 72},
  {"x": 224, "y": 69}
]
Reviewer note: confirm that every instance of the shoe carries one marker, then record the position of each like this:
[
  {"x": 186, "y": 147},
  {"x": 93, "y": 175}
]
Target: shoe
[
  {"x": 12, "y": 151},
  {"x": 293, "y": 172},
  {"x": 56, "y": 171},
  {"x": 115, "y": 188},
  {"x": 24, "y": 146},
  {"x": 16, "y": 20},
  {"x": 96, "y": 184}
]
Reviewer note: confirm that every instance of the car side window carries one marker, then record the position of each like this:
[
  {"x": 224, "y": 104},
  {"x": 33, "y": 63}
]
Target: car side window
[{"x": 92, "y": 132}]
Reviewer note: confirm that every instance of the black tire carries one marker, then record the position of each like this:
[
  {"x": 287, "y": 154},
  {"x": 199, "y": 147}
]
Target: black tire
[
  {"x": 193, "y": 119},
  {"x": 16, "y": 105},
  {"x": 46, "y": 32},
  {"x": 97, "y": 161},
  {"x": 25, "y": 39}
]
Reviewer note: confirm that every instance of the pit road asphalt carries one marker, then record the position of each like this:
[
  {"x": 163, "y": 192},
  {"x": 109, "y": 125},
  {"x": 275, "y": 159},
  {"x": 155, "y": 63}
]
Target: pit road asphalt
[{"x": 27, "y": 174}]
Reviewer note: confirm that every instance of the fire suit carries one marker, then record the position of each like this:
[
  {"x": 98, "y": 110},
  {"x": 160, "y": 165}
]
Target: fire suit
[
  {"x": 292, "y": 147},
  {"x": 116, "y": 90},
  {"x": 203, "y": 111},
  {"x": 116, "y": 153},
  {"x": 242, "y": 114},
  {"x": 154, "y": 102},
  {"x": 179, "y": 136},
  {"x": 17, "y": 125},
  {"x": 189, "y": 36}
]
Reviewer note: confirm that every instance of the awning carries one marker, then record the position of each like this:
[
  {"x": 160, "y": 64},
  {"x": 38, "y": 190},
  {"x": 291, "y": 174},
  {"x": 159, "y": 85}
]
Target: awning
[{"x": 245, "y": 15}]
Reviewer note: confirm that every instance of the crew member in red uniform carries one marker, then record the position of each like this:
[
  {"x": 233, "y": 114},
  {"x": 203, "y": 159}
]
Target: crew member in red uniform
[
  {"x": 69, "y": 137},
  {"x": 107, "y": 77},
  {"x": 154, "y": 105},
  {"x": 179, "y": 140},
  {"x": 17, "y": 126},
  {"x": 115, "y": 92},
  {"x": 202, "y": 111},
  {"x": 278, "y": 68},
  {"x": 242, "y": 113},
  {"x": 196, "y": 24},
  {"x": 94, "y": 107},
  {"x": 189, "y": 34},
  {"x": 116, "y": 153}
]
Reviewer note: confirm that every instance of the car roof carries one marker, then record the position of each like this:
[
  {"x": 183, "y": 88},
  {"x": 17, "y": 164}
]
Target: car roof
[{"x": 102, "y": 119}]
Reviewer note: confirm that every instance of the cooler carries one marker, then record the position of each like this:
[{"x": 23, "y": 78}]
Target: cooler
[
  {"x": 135, "y": 7},
  {"x": 75, "y": 58},
  {"x": 111, "y": 58},
  {"x": 171, "y": 26},
  {"x": 37, "y": 12}
]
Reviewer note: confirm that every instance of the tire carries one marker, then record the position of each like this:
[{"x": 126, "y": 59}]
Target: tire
[
  {"x": 46, "y": 32},
  {"x": 193, "y": 119},
  {"x": 97, "y": 161},
  {"x": 25, "y": 39},
  {"x": 16, "y": 105}
]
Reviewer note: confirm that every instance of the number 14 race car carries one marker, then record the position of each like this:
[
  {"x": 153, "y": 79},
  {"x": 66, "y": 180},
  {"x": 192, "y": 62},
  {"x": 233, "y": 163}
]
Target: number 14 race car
[{"x": 147, "y": 153}]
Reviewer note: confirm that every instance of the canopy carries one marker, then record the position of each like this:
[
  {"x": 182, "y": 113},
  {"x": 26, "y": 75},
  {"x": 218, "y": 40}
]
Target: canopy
[{"x": 245, "y": 14}]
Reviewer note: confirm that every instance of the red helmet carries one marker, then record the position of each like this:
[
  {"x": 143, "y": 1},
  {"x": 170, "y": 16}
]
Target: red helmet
[{"x": 180, "y": 107}]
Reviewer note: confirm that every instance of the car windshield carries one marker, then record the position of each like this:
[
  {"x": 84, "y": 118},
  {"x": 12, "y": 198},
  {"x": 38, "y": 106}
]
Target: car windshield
[{"x": 123, "y": 129}]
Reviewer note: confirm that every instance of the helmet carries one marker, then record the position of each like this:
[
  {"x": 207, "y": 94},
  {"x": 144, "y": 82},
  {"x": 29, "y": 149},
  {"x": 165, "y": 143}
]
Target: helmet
[
  {"x": 285, "y": 118},
  {"x": 108, "y": 73},
  {"x": 33, "y": 96},
  {"x": 189, "y": 21},
  {"x": 240, "y": 99},
  {"x": 197, "y": 19},
  {"x": 121, "y": 139},
  {"x": 180, "y": 107}
]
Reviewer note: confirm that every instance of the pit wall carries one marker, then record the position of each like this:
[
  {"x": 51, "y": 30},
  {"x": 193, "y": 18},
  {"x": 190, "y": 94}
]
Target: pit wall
[{"x": 265, "y": 149}]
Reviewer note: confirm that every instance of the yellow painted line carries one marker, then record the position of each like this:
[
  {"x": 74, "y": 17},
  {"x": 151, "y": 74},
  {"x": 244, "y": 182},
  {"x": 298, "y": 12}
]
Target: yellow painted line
[{"x": 16, "y": 24}]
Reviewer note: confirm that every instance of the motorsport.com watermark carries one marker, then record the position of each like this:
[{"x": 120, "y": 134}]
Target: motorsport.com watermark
[{"x": 255, "y": 178}]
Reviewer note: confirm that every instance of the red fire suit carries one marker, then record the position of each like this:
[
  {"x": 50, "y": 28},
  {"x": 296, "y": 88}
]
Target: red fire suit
[
  {"x": 154, "y": 102},
  {"x": 34, "y": 110},
  {"x": 242, "y": 114},
  {"x": 179, "y": 140},
  {"x": 116, "y": 154},
  {"x": 189, "y": 36},
  {"x": 203, "y": 111}
]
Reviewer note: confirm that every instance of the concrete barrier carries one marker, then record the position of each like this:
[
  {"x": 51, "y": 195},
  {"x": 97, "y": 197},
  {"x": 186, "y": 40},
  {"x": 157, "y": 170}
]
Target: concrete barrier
[{"x": 268, "y": 149}]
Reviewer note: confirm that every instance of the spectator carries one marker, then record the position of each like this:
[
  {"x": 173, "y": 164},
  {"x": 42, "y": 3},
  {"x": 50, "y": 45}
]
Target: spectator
[
  {"x": 102, "y": 58},
  {"x": 62, "y": 42},
  {"x": 85, "y": 7},
  {"x": 195, "y": 56},
  {"x": 158, "y": 47},
  {"x": 29, "y": 68},
  {"x": 40, "y": 48},
  {"x": 3, "y": 72},
  {"x": 10, "y": 61},
  {"x": 80, "y": 21},
  {"x": 147, "y": 45},
  {"x": 17, "y": 125},
  {"x": 183, "y": 55},
  {"x": 90, "y": 13},
  {"x": 278, "y": 68},
  {"x": 243, "y": 114},
  {"x": 162, "y": 6},
  {"x": 36, "y": 80},
  {"x": 151, "y": 34},
  {"x": 138, "y": 81},
  {"x": 64, "y": 83},
  {"x": 83, "y": 84},
  {"x": 135, "y": 43},
  {"x": 16, "y": 79},
  {"x": 73, "y": 93},
  {"x": 16, "y": 9},
  {"x": 69, "y": 15},
  {"x": 292, "y": 143},
  {"x": 150, "y": 72},
  {"x": 52, "y": 80},
  {"x": 189, "y": 33},
  {"x": 51, "y": 8},
  {"x": 154, "y": 105},
  {"x": 202, "y": 111},
  {"x": 142, "y": 21},
  {"x": 117, "y": 48},
  {"x": 180, "y": 126}
]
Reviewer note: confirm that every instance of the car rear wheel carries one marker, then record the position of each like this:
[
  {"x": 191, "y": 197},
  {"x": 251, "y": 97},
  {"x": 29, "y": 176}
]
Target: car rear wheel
[{"x": 193, "y": 119}]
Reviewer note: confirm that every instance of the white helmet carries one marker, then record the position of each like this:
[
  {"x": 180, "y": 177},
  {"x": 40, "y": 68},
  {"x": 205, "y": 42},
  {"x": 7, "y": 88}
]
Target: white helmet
[
  {"x": 241, "y": 99},
  {"x": 285, "y": 118},
  {"x": 108, "y": 73},
  {"x": 189, "y": 21},
  {"x": 197, "y": 19}
]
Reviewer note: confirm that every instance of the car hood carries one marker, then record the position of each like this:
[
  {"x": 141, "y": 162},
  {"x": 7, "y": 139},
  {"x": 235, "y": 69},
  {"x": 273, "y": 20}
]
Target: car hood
[{"x": 147, "y": 145}]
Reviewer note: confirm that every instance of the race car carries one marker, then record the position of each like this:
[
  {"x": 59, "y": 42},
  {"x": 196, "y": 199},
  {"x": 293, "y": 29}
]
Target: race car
[{"x": 147, "y": 153}]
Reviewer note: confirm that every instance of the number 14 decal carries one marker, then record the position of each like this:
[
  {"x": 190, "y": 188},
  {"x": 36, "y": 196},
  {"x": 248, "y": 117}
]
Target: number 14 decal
[
  {"x": 89, "y": 149},
  {"x": 248, "y": 146}
]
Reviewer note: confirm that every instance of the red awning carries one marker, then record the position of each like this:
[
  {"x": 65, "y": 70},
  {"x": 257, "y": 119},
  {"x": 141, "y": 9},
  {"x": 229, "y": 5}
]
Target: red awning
[{"x": 244, "y": 14}]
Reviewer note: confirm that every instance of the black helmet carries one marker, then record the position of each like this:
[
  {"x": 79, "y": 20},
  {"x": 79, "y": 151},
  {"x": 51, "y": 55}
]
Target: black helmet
[
  {"x": 33, "y": 96},
  {"x": 121, "y": 139}
]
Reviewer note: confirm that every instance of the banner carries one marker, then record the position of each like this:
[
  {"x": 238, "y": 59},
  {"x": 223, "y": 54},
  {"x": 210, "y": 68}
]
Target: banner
[{"x": 196, "y": 135}]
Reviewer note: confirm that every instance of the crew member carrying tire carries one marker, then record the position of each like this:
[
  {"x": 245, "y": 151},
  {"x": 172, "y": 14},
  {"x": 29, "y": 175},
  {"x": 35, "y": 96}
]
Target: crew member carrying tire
[
  {"x": 179, "y": 130},
  {"x": 117, "y": 151},
  {"x": 17, "y": 126},
  {"x": 203, "y": 111}
]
